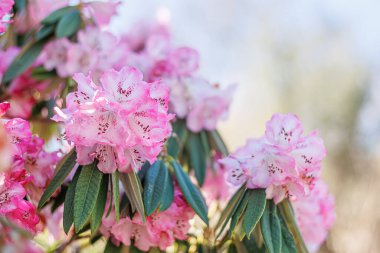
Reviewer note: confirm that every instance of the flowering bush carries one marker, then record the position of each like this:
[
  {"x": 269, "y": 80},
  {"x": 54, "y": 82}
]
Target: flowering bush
[{"x": 115, "y": 139}]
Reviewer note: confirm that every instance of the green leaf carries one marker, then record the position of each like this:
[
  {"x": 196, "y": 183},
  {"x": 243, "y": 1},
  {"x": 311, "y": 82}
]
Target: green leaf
[
  {"x": 100, "y": 206},
  {"x": 288, "y": 244},
  {"x": 69, "y": 24},
  {"x": 255, "y": 209},
  {"x": 197, "y": 157},
  {"x": 238, "y": 213},
  {"x": 63, "y": 169},
  {"x": 41, "y": 74},
  {"x": 112, "y": 248},
  {"x": 176, "y": 142},
  {"x": 230, "y": 209},
  {"x": 271, "y": 228},
  {"x": 45, "y": 32},
  {"x": 86, "y": 194},
  {"x": 59, "y": 199},
  {"x": 191, "y": 193},
  {"x": 133, "y": 189},
  {"x": 116, "y": 194},
  {"x": 168, "y": 193},
  {"x": 57, "y": 15},
  {"x": 156, "y": 186},
  {"x": 68, "y": 206},
  {"x": 23, "y": 61},
  {"x": 217, "y": 142}
]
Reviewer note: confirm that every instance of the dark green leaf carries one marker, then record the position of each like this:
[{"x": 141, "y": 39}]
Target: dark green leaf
[
  {"x": 197, "y": 157},
  {"x": 168, "y": 193},
  {"x": 116, "y": 194},
  {"x": 133, "y": 189},
  {"x": 112, "y": 248},
  {"x": 100, "y": 206},
  {"x": 68, "y": 207},
  {"x": 288, "y": 244},
  {"x": 271, "y": 228},
  {"x": 63, "y": 169},
  {"x": 255, "y": 209},
  {"x": 230, "y": 209},
  {"x": 69, "y": 24},
  {"x": 176, "y": 142},
  {"x": 238, "y": 213},
  {"x": 23, "y": 61},
  {"x": 45, "y": 32},
  {"x": 155, "y": 185},
  {"x": 191, "y": 193},
  {"x": 251, "y": 245},
  {"x": 41, "y": 74},
  {"x": 59, "y": 199},
  {"x": 57, "y": 15},
  {"x": 86, "y": 194},
  {"x": 217, "y": 142},
  {"x": 19, "y": 5}
]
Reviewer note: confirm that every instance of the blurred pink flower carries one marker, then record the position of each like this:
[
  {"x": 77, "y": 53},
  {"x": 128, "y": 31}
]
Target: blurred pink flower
[
  {"x": 315, "y": 215},
  {"x": 5, "y": 8}
]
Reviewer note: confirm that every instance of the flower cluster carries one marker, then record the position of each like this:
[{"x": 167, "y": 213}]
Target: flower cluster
[
  {"x": 191, "y": 96},
  {"x": 5, "y": 8},
  {"x": 159, "y": 230},
  {"x": 315, "y": 215},
  {"x": 122, "y": 123},
  {"x": 285, "y": 162},
  {"x": 95, "y": 51},
  {"x": 31, "y": 169}
]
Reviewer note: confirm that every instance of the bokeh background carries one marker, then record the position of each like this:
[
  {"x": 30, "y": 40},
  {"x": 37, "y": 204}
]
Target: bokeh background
[{"x": 318, "y": 59}]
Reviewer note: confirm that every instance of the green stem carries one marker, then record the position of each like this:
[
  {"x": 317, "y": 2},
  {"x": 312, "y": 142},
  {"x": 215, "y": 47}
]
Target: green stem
[{"x": 288, "y": 215}]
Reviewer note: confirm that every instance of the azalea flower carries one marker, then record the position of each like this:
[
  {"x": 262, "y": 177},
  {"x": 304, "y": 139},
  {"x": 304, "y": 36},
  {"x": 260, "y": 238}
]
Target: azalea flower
[
  {"x": 125, "y": 118},
  {"x": 284, "y": 161},
  {"x": 315, "y": 215},
  {"x": 5, "y": 8}
]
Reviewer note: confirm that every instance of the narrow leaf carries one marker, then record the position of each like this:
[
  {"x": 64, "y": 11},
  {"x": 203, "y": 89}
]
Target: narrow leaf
[
  {"x": 45, "y": 32},
  {"x": 100, "y": 206},
  {"x": 23, "y": 61},
  {"x": 63, "y": 169},
  {"x": 176, "y": 142},
  {"x": 133, "y": 189},
  {"x": 86, "y": 194},
  {"x": 191, "y": 193},
  {"x": 217, "y": 142},
  {"x": 57, "y": 15},
  {"x": 239, "y": 212},
  {"x": 288, "y": 244},
  {"x": 69, "y": 24},
  {"x": 68, "y": 206},
  {"x": 116, "y": 194},
  {"x": 271, "y": 228},
  {"x": 197, "y": 157},
  {"x": 255, "y": 209},
  {"x": 168, "y": 193},
  {"x": 230, "y": 209}
]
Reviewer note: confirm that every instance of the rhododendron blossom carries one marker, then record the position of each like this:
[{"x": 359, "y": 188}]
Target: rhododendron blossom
[
  {"x": 315, "y": 215},
  {"x": 284, "y": 162},
  {"x": 5, "y": 8},
  {"x": 31, "y": 168},
  {"x": 159, "y": 230},
  {"x": 125, "y": 120}
]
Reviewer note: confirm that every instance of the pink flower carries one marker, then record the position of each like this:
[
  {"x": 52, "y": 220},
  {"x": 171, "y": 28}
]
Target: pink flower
[
  {"x": 102, "y": 12},
  {"x": 315, "y": 215},
  {"x": 284, "y": 130},
  {"x": 5, "y": 8},
  {"x": 55, "y": 56},
  {"x": 160, "y": 229},
  {"x": 284, "y": 162},
  {"x": 25, "y": 216},
  {"x": 125, "y": 118},
  {"x": 10, "y": 194}
]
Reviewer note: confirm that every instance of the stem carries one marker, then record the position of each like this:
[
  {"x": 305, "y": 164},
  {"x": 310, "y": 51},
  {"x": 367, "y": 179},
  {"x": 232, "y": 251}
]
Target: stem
[{"x": 287, "y": 213}]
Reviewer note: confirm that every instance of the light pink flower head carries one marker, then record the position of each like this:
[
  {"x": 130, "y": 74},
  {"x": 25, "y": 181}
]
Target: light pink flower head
[
  {"x": 284, "y": 162},
  {"x": 102, "y": 12},
  {"x": 125, "y": 118},
  {"x": 315, "y": 215},
  {"x": 5, "y": 8}
]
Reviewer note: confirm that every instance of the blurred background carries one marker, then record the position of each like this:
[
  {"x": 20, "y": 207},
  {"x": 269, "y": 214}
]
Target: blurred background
[{"x": 318, "y": 59}]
